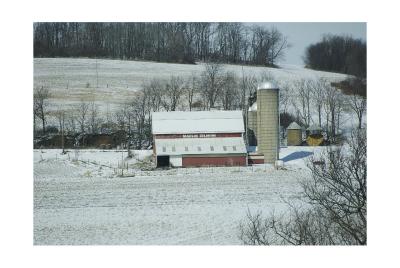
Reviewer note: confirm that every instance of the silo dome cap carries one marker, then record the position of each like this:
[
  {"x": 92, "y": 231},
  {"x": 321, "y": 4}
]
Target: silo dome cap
[
  {"x": 253, "y": 108},
  {"x": 267, "y": 85},
  {"x": 294, "y": 125}
]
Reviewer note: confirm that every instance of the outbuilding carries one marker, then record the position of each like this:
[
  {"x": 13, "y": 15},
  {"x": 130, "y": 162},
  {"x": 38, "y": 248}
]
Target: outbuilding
[
  {"x": 201, "y": 138},
  {"x": 294, "y": 134}
]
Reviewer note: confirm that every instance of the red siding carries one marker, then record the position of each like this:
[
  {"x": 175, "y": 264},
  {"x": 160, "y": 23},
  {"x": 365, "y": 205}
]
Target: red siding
[
  {"x": 192, "y": 161},
  {"x": 229, "y": 135},
  {"x": 255, "y": 161},
  {"x": 168, "y": 136}
]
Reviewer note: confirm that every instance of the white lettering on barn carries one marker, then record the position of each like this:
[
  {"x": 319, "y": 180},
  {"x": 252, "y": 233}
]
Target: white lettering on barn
[{"x": 199, "y": 135}]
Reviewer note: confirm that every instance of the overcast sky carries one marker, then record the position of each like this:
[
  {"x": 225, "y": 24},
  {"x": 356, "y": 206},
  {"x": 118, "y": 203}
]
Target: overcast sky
[{"x": 302, "y": 34}]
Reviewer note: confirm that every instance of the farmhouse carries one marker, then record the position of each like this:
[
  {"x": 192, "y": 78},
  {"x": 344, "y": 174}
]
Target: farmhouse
[{"x": 201, "y": 138}]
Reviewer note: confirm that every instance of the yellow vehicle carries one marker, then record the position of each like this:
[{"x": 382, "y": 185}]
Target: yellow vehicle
[{"x": 314, "y": 136}]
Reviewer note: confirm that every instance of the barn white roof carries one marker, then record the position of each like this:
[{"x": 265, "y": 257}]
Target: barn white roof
[
  {"x": 197, "y": 122},
  {"x": 200, "y": 146}
]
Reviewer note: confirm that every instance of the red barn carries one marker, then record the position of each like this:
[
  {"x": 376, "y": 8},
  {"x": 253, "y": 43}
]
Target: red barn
[{"x": 201, "y": 138}]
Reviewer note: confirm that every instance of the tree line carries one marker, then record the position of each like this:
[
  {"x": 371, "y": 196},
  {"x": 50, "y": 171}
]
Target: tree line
[
  {"x": 342, "y": 54},
  {"x": 180, "y": 42},
  {"x": 326, "y": 102},
  {"x": 213, "y": 88},
  {"x": 307, "y": 101}
]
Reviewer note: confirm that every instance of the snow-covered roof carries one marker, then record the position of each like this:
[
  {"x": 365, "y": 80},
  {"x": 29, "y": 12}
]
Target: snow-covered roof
[
  {"x": 267, "y": 85},
  {"x": 197, "y": 122},
  {"x": 190, "y": 146},
  {"x": 294, "y": 125},
  {"x": 253, "y": 108}
]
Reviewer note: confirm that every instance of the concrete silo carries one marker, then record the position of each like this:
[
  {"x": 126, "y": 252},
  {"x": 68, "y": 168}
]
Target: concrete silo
[
  {"x": 268, "y": 121},
  {"x": 252, "y": 125},
  {"x": 294, "y": 134}
]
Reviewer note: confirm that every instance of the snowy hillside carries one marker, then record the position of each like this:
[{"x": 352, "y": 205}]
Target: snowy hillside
[{"x": 113, "y": 81}]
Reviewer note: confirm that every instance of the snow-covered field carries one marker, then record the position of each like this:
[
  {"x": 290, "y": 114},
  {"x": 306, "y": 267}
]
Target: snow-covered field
[
  {"x": 112, "y": 82},
  {"x": 79, "y": 199}
]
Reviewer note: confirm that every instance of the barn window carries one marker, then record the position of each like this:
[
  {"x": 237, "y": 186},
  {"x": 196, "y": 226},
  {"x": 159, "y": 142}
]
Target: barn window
[
  {"x": 199, "y": 148},
  {"x": 212, "y": 148},
  {"x": 164, "y": 149},
  {"x": 173, "y": 148},
  {"x": 186, "y": 149},
  {"x": 224, "y": 148},
  {"x": 234, "y": 148}
]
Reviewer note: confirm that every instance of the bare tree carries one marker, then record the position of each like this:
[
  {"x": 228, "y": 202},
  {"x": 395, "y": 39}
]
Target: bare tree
[
  {"x": 40, "y": 105},
  {"x": 278, "y": 46},
  {"x": 334, "y": 207},
  {"x": 173, "y": 91},
  {"x": 341, "y": 106},
  {"x": 247, "y": 88},
  {"x": 229, "y": 90},
  {"x": 333, "y": 104},
  {"x": 285, "y": 97},
  {"x": 143, "y": 116},
  {"x": 132, "y": 117},
  {"x": 82, "y": 111},
  {"x": 191, "y": 89},
  {"x": 260, "y": 45},
  {"x": 318, "y": 94},
  {"x": 154, "y": 91},
  {"x": 251, "y": 86},
  {"x": 94, "y": 117},
  {"x": 119, "y": 117},
  {"x": 359, "y": 106},
  {"x": 302, "y": 103},
  {"x": 138, "y": 120},
  {"x": 127, "y": 115},
  {"x": 108, "y": 116},
  {"x": 211, "y": 82},
  {"x": 59, "y": 114},
  {"x": 300, "y": 227},
  {"x": 340, "y": 188},
  {"x": 71, "y": 120},
  {"x": 243, "y": 93}
]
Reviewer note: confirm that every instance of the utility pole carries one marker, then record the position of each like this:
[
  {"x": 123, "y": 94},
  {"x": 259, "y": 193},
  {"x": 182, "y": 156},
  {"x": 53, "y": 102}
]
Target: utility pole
[
  {"x": 62, "y": 132},
  {"x": 97, "y": 76},
  {"x": 129, "y": 135},
  {"x": 246, "y": 112}
]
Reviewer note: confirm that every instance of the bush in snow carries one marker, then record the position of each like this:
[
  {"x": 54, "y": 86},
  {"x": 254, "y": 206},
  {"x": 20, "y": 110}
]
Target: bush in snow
[{"x": 334, "y": 203}]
